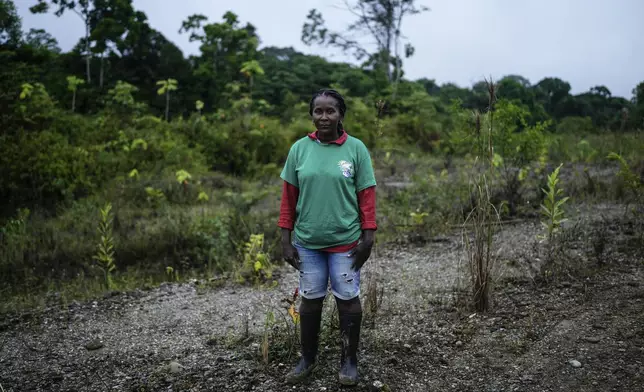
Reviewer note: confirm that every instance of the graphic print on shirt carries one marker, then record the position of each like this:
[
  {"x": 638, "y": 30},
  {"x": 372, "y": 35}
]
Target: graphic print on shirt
[{"x": 347, "y": 168}]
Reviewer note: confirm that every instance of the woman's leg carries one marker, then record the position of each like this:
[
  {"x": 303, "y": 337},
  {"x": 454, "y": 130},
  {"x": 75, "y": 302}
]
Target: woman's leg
[
  {"x": 345, "y": 286},
  {"x": 314, "y": 278}
]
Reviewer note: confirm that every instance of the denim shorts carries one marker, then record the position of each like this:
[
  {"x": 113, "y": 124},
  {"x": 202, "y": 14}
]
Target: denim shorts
[{"x": 317, "y": 267}]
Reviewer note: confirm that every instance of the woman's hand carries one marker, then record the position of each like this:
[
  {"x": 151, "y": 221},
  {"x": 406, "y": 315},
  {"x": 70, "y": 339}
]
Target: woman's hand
[
  {"x": 363, "y": 250},
  {"x": 289, "y": 253}
]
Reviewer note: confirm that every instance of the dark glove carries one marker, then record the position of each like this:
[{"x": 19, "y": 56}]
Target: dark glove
[
  {"x": 290, "y": 255},
  {"x": 362, "y": 251}
]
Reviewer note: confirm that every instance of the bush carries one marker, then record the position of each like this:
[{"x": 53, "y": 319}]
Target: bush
[
  {"x": 44, "y": 168},
  {"x": 418, "y": 122},
  {"x": 576, "y": 125}
]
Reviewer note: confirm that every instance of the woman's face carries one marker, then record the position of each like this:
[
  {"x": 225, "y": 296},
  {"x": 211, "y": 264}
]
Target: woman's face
[{"x": 326, "y": 115}]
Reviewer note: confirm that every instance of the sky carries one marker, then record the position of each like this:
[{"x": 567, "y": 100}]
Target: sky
[{"x": 584, "y": 42}]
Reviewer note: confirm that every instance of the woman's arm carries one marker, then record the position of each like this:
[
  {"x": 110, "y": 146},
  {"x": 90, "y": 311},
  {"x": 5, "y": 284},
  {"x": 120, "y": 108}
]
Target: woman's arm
[
  {"x": 290, "y": 194},
  {"x": 367, "y": 204}
]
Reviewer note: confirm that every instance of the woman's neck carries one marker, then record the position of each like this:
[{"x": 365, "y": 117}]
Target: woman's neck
[{"x": 329, "y": 137}]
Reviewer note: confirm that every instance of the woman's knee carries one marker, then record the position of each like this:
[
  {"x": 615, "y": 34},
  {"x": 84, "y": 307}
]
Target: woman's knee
[
  {"x": 352, "y": 305},
  {"x": 311, "y": 305},
  {"x": 345, "y": 282}
]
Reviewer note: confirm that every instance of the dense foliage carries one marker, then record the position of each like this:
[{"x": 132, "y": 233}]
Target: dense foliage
[{"x": 125, "y": 117}]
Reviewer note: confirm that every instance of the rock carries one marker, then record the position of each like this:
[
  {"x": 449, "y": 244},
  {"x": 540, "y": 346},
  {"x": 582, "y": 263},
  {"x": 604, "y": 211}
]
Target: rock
[
  {"x": 378, "y": 385},
  {"x": 110, "y": 294},
  {"x": 175, "y": 367},
  {"x": 527, "y": 379},
  {"x": 459, "y": 344},
  {"x": 94, "y": 345},
  {"x": 574, "y": 363},
  {"x": 592, "y": 339},
  {"x": 392, "y": 361}
]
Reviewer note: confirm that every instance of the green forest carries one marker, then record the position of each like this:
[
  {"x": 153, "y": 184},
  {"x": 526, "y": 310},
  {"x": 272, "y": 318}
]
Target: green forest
[{"x": 125, "y": 163}]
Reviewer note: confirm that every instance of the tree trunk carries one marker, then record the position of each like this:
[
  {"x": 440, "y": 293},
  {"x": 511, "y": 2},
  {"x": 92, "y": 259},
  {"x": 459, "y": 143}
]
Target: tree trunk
[
  {"x": 87, "y": 52},
  {"x": 397, "y": 52},
  {"x": 387, "y": 59},
  {"x": 100, "y": 83},
  {"x": 398, "y": 67},
  {"x": 167, "y": 105},
  {"x": 74, "y": 101}
]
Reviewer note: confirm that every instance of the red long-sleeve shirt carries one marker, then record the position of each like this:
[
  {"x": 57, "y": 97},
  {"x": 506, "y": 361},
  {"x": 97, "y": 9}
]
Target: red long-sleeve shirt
[{"x": 366, "y": 203}]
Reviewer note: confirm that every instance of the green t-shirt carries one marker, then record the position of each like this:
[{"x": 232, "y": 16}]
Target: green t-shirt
[{"x": 329, "y": 177}]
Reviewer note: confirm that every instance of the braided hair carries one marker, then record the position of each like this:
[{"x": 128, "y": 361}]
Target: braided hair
[{"x": 342, "y": 106}]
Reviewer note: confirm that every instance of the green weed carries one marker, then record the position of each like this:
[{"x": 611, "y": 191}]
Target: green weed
[
  {"x": 552, "y": 207},
  {"x": 255, "y": 266},
  {"x": 105, "y": 251}
]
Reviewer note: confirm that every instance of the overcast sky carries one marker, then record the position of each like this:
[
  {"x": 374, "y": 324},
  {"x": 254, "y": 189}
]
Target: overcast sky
[{"x": 585, "y": 42}]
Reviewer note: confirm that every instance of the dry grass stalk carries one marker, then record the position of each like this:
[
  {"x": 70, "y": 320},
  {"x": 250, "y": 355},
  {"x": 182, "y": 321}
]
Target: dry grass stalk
[
  {"x": 491, "y": 88},
  {"x": 374, "y": 297},
  {"x": 479, "y": 245},
  {"x": 483, "y": 217}
]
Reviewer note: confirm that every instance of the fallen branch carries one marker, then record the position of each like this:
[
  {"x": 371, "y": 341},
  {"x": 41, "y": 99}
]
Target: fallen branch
[
  {"x": 460, "y": 225},
  {"x": 494, "y": 223}
]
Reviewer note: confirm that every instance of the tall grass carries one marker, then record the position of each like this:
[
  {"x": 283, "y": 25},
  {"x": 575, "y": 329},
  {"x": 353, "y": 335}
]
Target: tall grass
[{"x": 480, "y": 219}]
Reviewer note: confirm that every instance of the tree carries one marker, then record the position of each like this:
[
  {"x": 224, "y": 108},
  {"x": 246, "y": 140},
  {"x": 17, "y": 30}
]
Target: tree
[
  {"x": 10, "y": 24},
  {"x": 382, "y": 20},
  {"x": 224, "y": 48},
  {"x": 72, "y": 85},
  {"x": 637, "y": 117},
  {"x": 430, "y": 86},
  {"x": 166, "y": 87},
  {"x": 554, "y": 95},
  {"x": 109, "y": 23},
  {"x": 42, "y": 40},
  {"x": 250, "y": 69},
  {"x": 82, "y": 8},
  {"x": 602, "y": 91},
  {"x": 450, "y": 92}
]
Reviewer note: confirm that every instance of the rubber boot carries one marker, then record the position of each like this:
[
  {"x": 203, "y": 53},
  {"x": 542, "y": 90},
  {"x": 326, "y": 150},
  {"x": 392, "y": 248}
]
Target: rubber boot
[
  {"x": 350, "y": 334},
  {"x": 309, "y": 336}
]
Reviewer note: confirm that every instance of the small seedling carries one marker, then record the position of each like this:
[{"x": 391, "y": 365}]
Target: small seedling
[
  {"x": 551, "y": 208},
  {"x": 105, "y": 252}
]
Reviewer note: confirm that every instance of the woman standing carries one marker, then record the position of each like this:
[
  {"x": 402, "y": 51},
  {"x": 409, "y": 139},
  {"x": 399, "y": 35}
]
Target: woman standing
[{"x": 329, "y": 204}]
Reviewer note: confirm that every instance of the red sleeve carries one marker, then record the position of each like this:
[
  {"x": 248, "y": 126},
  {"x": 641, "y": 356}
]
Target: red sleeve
[
  {"x": 290, "y": 193},
  {"x": 367, "y": 203}
]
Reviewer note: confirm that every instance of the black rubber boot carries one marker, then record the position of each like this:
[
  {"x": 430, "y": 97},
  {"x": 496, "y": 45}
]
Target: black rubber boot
[
  {"x": 309, "y": 336},
  {"x": 350, "y": 334}
]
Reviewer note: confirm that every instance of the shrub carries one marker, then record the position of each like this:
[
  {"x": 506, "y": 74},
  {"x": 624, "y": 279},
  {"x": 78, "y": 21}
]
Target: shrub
[
  {"x": 418, "y": 123},
  {"x": 44, "y": 168},
  {"x": 576, "y": 125}
]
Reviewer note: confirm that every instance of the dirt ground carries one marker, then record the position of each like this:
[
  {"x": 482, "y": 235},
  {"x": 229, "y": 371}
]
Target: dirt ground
[{"x": 582, "y": 329}]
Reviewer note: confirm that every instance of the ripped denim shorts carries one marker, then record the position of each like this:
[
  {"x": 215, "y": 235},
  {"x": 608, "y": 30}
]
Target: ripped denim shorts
[{"x": 317, "y": 267}]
